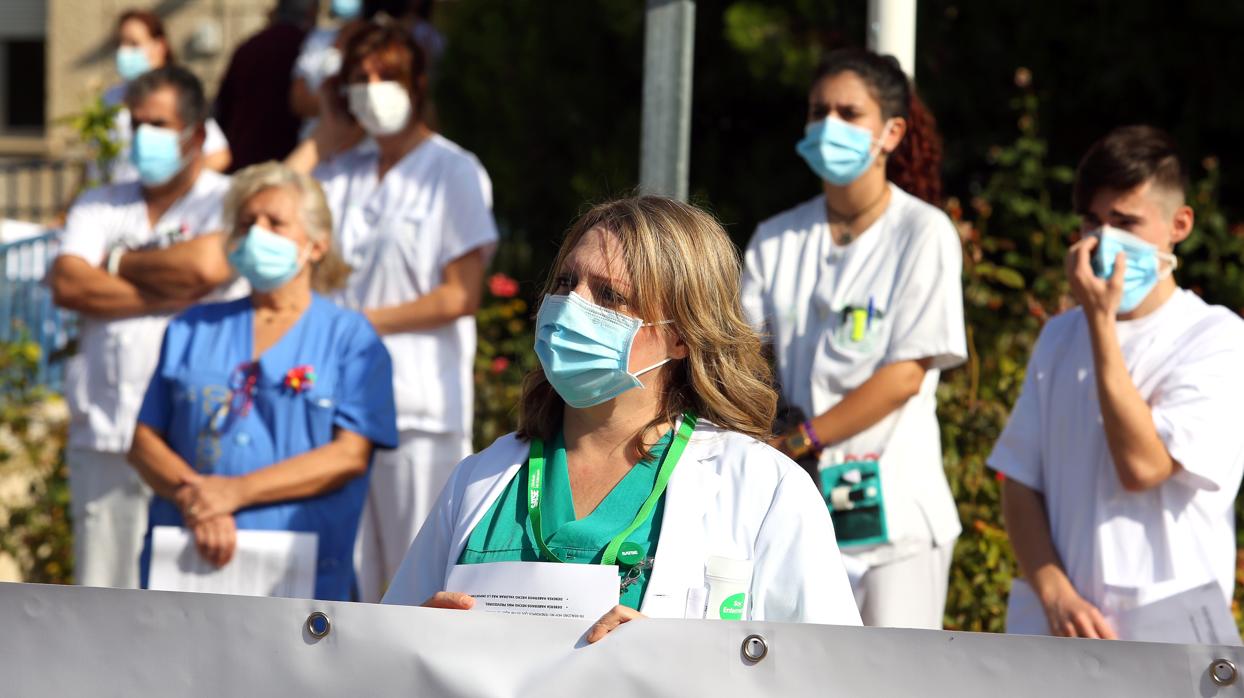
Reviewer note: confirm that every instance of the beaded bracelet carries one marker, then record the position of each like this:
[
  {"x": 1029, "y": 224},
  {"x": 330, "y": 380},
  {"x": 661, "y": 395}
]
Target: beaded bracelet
[{"x": 811, "y": 434}]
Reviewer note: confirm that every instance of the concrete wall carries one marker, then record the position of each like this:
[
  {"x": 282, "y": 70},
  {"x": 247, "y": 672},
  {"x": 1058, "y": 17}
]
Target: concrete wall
[{"x": 203, "y": 34}]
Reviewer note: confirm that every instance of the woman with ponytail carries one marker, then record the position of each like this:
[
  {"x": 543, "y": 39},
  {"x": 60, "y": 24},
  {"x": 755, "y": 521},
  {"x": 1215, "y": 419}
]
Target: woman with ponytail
[{"x": 858, "y": 290}]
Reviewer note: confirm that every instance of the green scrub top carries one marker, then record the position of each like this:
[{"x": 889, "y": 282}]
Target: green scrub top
[{"x": 505, "y": 535}]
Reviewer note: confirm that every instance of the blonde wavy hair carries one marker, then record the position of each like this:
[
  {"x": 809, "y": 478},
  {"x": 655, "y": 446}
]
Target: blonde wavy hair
[
  {"x": 328, "y": 274},
  {"x": 684, "y": 268}
]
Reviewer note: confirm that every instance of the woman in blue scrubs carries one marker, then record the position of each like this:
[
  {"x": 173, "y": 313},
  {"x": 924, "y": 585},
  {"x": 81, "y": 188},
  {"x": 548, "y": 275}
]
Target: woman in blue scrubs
[{"x": 264, "y": 412}]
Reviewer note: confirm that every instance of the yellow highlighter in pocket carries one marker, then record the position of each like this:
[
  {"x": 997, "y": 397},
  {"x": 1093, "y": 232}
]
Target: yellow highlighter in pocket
[{"x": 859, "y": 324}]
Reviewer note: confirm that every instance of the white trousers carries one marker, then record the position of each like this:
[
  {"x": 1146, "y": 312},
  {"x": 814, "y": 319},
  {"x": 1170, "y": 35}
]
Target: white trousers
[
  {"x": 109, "y": 503},
  {"x": 907, "y": 593},
  {"x": 405, "y": 483}
]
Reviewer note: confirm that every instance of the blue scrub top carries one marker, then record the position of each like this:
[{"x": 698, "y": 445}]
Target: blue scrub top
[{"x": 200, "y": 364}]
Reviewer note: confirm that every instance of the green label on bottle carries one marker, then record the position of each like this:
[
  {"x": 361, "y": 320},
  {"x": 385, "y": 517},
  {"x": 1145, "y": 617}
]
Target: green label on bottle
[{"x": 732, "y": 607}]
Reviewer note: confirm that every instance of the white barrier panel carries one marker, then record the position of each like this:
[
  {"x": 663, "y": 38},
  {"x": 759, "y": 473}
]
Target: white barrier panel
[{"x": 64, "y": 641}]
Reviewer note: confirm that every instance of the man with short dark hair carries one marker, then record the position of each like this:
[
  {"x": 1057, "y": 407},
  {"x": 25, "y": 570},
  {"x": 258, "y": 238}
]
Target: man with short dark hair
[
  {"x": 1123, "y": 455},
  {"x": 131, "y": 255}
]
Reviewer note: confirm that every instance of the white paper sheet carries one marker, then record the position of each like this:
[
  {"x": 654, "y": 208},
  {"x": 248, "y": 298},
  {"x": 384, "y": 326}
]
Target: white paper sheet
[
  {"x": 265, "y": 563},
  {"x": 546, "y": 589},
  {"x": 1198, "y": 616}
]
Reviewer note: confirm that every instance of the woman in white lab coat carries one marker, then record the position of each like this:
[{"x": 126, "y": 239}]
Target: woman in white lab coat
[
  {"x": 858, "y": 289},
  {"x": 649, "y": 375}
]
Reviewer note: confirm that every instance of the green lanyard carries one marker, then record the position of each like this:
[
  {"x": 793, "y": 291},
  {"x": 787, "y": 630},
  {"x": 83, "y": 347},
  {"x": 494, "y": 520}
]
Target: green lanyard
[{"x": 535, "y": 487}]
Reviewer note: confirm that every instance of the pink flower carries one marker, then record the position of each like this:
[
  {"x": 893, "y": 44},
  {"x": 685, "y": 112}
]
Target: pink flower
[
  {"x": 502, "y": 286},
  {"x": 499, "y": 364}
]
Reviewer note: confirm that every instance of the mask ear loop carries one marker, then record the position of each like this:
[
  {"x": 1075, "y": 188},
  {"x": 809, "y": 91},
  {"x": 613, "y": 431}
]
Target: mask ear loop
[
  {"x": 1174, "y": 264},
  {"x": 885, "y": 131},
  {"x": 658, "y": 364},
  {"x": 304, "y": 257}
]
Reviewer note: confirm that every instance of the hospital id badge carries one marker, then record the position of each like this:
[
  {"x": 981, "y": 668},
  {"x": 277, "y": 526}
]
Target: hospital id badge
[{"x": 852, "y": 490}]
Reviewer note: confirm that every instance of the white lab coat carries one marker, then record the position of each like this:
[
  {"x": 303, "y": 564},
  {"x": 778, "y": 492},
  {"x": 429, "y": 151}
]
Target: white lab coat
[{"x": 730, "y": 496}]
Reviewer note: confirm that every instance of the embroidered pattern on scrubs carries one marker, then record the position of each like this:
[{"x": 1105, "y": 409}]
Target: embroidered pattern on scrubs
[{"x": 505, "y": 533}]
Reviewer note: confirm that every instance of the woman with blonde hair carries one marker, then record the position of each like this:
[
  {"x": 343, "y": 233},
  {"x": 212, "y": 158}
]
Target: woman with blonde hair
[
  {"x": 264, "y": 412},
  {"x": 641, "y": 443}
]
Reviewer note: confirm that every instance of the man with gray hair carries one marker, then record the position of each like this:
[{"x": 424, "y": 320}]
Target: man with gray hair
[{"x": 132, "y": 254}]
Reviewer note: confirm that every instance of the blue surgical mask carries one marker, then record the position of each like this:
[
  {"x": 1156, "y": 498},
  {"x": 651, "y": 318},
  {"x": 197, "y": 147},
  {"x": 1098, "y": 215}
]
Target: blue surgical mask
[
  {"x": 347, "y": 9},
  {"x": 838, "y": 152},
  {"x": 1144, "y": 269},
  {"x": 265, "y": 259},
  {"x": 156, "y": 153},
  {"x": 132, "y": 61},
  {"x": 586, "y": 349}
]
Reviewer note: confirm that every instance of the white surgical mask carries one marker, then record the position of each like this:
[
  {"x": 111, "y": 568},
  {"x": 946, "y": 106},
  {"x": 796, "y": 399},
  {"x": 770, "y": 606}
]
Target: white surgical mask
[{"x": 382, "y": 108}]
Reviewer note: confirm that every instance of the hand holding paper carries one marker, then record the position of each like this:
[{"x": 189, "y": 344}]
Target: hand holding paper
[
  {"x": 549, "y": 590},
  {"x": 450, "y": 600},
  {"x": 216, "y": 539},
  {"x": 264, "y": 563}
]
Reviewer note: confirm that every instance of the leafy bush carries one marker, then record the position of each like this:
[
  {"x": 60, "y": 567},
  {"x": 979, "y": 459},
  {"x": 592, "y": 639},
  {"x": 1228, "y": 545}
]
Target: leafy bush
[
  {"x": 94, "y": 127},
  {"x": 35, "y": 533},
  {"x": 1015, "y": 236},
  {"x": 504, "y": 355}
]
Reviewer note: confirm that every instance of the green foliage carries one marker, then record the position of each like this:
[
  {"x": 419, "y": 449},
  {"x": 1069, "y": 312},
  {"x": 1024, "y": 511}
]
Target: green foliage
[
  {"x": 547, "y": 95},
  {"x": 503, "y": 357},
  {"x": 35, "y": 531},
  {"x": 781, "y": 42},
  {"x": 94, "y": 126},
  {"x": 1210, "y": 259},
  {"x": 1014, "y": 241}
]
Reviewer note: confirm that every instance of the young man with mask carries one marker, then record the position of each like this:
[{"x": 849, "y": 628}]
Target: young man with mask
[
  {"x": 1123, "y": 455},
  {"x": 132, "y": 254}
]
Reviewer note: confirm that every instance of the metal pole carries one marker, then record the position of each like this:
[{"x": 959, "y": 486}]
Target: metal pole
[
  {"x": 892, "y": 30},
  {"x": 665, "y": 137}
]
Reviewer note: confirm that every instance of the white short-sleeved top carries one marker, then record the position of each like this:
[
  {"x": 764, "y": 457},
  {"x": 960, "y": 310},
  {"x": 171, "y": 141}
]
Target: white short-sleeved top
[
  {"x": 399, "y": 233},
  {"x": 105, "y": 381},
  {"x": 804, "y": 291},
  {"x": 318, "y": 60},
  {"x": 1186, "y": 361},
  {"x": 122, "y": 168}
]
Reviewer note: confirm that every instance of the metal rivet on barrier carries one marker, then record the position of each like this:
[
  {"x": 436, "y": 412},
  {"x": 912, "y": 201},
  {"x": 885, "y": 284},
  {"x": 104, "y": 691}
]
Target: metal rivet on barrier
[
  {"x": 1222, "y": 671},
  {"x": 755, "y": 648},
  {"x": 318, "y": 624}
]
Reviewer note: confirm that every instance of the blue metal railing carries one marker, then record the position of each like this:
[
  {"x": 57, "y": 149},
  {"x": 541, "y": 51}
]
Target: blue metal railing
[{"x": 26, "y": 309}]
